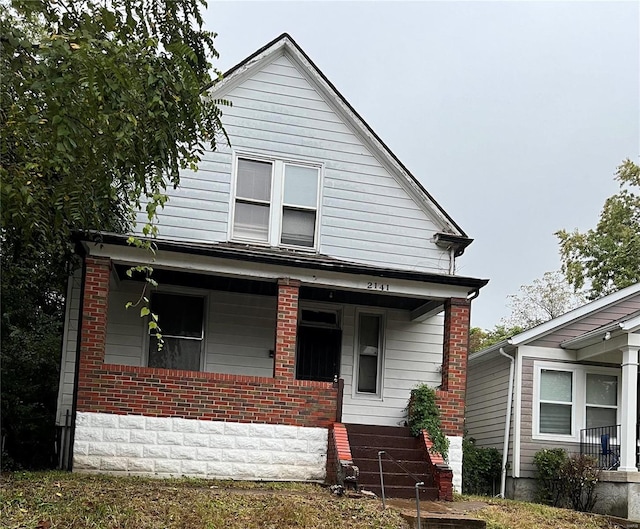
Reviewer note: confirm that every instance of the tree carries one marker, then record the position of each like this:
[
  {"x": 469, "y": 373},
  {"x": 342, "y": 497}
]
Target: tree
[
  {"x": 544, "y": 299},
  {"x": 101, "y": 105},
  {"x": 607, "y": 258},
  {"x": 481, "y": 339}
]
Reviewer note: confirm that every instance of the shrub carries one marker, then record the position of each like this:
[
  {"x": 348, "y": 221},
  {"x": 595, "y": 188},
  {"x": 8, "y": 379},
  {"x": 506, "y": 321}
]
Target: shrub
[
  {"x": 423, "y": 414},
  {"x": 549, "y": 463},
  {"x": 566, "y": 481},
  {"x": 481, "y": 468},
  {"x": 580, "y": 476}
]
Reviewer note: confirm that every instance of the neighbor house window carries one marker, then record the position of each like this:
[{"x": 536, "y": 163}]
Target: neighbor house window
[
  {"x": 556, "y": 402},
  {"x": 602, "y": 400},
  {"x": 180, "y": 319},
  {"x": 369, "y": 351},
  {"x": 276, "y": 202},
  {"x": 571, "y": 397}
]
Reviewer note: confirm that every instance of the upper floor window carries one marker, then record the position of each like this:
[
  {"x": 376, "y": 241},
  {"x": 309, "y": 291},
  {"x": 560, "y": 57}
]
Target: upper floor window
[{"x": 276, "y": 202}]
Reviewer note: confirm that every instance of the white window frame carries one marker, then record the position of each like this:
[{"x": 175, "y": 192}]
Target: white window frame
[
  {"x": 180, "y": 291},
  {"x": 356, "y": 354},
  {"x": 578, "y": 399},
  {"x": 276, "y": 202}
]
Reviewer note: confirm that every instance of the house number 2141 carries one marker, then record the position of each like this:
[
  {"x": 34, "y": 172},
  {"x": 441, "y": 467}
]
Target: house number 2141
[{"x": 372, "y": 285}]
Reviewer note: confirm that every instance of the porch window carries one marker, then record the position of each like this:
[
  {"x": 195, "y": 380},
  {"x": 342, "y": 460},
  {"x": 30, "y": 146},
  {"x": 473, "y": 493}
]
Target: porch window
[
  {"x": 276, "y": 202},
  {"x": 369, "y": 352},
  {"x": 180, "y": 318},
  {"x": 602, "y": 400},
  {"x": 556, "y": 402}
]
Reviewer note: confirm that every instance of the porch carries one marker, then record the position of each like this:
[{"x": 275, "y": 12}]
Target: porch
[{"x": 247, "y": 344}]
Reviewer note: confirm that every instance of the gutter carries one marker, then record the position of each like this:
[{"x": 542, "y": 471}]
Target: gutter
[
  {"x": 507, "y": 424},
  {"x": 291, "y": 259}
]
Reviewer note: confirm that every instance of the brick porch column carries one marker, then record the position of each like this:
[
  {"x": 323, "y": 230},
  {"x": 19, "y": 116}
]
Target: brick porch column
[
  {"x": 286, "y": 328},
  {"x": 451, "y": 398},
  {"x": 94, "y": 325}
]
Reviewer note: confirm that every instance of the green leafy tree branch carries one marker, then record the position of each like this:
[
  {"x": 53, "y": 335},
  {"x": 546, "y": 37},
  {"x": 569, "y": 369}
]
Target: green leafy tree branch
[{"x": 607, "y": 258}]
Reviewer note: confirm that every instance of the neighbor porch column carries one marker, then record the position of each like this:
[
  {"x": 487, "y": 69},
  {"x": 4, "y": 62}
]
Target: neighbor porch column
[
  {"x": 284, "y": 364},
  {"x": 628, "y": 409}
]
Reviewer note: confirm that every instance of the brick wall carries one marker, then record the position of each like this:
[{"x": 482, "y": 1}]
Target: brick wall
[
  {"x": 158, "y": 392},
  {"x": 213, "y": 396},
  {"x": 442, "y": 473},
  {"x": 451, "y": 396},
  {"x": 338, "y": 453}
]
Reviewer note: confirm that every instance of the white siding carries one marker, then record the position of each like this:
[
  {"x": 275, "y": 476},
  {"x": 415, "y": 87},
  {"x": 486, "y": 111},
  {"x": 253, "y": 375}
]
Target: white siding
[
  {"x": 241, "y": 332},
  {"x": 69, "y": 345},
  {"x": 412, "y": 355},
  {"x": 366, "y": 214},
  {"x": 125, "y": 327}
]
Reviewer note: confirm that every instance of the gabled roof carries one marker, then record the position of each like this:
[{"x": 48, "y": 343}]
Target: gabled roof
[
  {"x": 452, "y": 235},
  {"x": 628, "y": 323}
]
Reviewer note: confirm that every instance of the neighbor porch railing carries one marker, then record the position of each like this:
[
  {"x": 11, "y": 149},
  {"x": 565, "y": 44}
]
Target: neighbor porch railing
[{"x": 602, "y": 444}]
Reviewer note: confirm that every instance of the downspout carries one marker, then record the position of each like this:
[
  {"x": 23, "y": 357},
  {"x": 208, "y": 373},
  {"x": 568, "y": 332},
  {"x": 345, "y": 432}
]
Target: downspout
[
  {"x": 76, "y": 376},
  {"x": 507, "y": 424}
]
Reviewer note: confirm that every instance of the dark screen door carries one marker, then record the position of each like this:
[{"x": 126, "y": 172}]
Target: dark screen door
[{"x": 318, "y": 354}]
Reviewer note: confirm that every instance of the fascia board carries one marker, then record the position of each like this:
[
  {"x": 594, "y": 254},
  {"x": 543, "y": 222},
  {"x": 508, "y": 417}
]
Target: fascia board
[
  {"x": 490, "y": 352},
  {"x": 632, "y": 325}
]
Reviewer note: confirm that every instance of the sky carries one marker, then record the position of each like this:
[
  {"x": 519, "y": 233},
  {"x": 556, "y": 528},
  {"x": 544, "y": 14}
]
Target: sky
[{"x": 513, "y": 115}]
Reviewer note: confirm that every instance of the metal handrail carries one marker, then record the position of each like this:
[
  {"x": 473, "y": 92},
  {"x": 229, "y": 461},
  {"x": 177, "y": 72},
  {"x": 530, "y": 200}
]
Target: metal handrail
[{"x": 419, "y": 482}]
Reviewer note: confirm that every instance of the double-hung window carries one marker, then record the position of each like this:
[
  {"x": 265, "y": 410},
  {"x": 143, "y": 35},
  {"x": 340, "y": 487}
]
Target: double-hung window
[
  {"x": 180, "y": 318},
  {"x": 369, "y": 353},
  {"x": 276, "y": 202},
  {"x": 556, "y": 402}
]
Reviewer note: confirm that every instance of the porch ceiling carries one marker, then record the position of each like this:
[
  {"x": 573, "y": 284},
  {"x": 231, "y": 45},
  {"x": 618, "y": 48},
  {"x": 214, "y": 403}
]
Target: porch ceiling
[{"x": 270, "y": 288}]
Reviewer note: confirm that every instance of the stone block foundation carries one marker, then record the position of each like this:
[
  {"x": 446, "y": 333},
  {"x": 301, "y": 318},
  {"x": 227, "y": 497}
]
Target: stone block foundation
[{"x": 173, "y": 447}]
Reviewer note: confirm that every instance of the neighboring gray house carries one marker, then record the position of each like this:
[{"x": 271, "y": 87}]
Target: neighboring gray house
[
  {"x": 574, "y": 384},
  {"x": 306, "y": 279}
]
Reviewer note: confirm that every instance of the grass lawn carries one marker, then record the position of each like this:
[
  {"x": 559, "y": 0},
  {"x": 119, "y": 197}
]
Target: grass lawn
[{"x": 55, "y": 500}]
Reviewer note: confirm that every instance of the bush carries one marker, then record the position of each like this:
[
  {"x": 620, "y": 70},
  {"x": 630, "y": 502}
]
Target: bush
[
  {"x": 423, "y": 414},
  {"x": 566, "y": 481},
  {"x": 580, "y": 476},
  {"x": 549, "y": 463},
  {"x": 481, "y": 468}
]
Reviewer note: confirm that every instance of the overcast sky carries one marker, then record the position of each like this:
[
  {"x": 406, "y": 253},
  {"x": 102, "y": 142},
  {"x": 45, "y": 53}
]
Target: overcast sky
[{"x": 514, "y": 115}]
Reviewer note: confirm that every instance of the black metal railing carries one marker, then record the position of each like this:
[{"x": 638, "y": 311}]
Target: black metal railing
[
  {"x": 417, "y": 479},
  {"x": 603, "y": 445}
]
